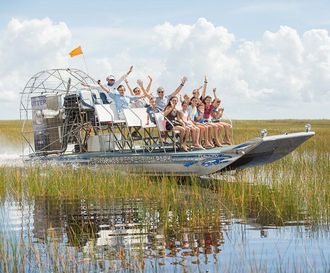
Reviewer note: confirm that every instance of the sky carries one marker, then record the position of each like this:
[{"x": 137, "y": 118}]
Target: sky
[{"x": 267, "y": 59}]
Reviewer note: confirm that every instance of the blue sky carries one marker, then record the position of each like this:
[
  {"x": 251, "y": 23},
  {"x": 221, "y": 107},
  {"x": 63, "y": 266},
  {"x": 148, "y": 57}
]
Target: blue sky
[
  {"x": 247, "y": 19},
  {"x": 272, "y": 55}
]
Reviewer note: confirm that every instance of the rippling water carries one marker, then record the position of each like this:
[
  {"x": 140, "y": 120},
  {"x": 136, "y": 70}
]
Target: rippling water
[{"x": 133, "y": 236}]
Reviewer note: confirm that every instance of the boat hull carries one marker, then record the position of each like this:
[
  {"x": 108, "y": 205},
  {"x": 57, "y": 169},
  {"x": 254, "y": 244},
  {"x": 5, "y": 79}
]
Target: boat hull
[
  {"x": 198, "y": 163},
  {"x": 252, "y": 153},
  {"x": 270, "y": 149}
]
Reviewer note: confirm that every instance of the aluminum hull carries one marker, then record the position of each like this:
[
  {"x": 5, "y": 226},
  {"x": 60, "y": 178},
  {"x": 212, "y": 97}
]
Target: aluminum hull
[
  {"x": 194, "y": 163},
  {"x": 270, "y": 149}
]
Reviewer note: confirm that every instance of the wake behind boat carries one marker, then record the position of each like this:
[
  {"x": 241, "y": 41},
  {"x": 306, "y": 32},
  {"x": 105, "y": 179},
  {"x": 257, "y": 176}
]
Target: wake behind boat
[{"x": 76, "y": 125}]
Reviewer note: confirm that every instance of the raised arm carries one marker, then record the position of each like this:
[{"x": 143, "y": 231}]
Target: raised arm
[
  {"x": 204, "y": 88},
  {"x": 144, "y": 91},
  {"x": 85, "y": 84},
  {"x": 129, "y": 87},
  {"x": 176, "y": 91},
  {"x": 123, "y": 77},
  {"x": 215, "y": 93},
  {"x": 149, "y": 85}
]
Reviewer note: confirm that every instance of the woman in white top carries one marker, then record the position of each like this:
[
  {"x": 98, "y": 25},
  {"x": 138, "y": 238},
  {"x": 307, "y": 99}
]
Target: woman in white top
[
  {"x": 195, "y": 131},
  {"x": 136, "y": 91}
]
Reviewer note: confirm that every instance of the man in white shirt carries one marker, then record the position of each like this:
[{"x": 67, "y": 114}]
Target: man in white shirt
[{"x": 112, "y": 83}]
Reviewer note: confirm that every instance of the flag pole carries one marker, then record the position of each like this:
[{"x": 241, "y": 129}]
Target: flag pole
[{"x": 85, "y": 64}]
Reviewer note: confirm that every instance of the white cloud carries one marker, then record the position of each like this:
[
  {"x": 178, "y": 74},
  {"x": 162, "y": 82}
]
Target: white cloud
[
  {"x": 283, "y": 70},
  {"x": 283, "y": 75},
  {"x": 26, "y": 48}
]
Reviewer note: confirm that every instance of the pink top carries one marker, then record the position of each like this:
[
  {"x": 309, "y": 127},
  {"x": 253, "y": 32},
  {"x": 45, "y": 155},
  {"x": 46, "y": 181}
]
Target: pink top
[{"x": 207, "y": 111}]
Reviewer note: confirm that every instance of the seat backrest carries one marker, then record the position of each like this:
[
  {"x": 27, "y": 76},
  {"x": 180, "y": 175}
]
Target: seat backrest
[
  {"x": 96, "y": 96},
  {"x": 114, "y": 110},
  {"x": 160, "y": 122},
  {"x": 104, "y": 112},
  {"x": 143, "y": 115},
  {"x": 133, "y": 119},
  {"x": 86, "y": 99}
]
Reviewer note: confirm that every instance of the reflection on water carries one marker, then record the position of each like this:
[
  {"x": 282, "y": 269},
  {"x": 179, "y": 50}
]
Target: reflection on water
[{"x": 122, "y": 232}]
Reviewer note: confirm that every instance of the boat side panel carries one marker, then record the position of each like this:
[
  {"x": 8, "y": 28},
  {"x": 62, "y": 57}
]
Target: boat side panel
[
  {"x": 173, "y": 164},
  {"x": 269, "y": 150}
]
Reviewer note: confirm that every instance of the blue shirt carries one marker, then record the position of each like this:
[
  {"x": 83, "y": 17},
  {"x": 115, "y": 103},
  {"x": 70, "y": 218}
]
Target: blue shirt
[
  {"x": 121, "y": 102},
  {"x": 161, "y": 103}
]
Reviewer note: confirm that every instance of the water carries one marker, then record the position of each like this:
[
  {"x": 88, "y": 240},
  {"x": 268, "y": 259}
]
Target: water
[{"x": 133, "y": 236}]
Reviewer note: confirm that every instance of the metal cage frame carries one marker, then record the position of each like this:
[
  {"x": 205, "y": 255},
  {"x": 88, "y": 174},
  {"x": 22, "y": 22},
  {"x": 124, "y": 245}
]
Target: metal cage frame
[{"x": 59, "y": 81}]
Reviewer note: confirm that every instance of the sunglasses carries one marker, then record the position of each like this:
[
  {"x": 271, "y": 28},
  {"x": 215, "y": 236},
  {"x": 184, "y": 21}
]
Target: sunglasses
[{"x": 160, "y": 92}]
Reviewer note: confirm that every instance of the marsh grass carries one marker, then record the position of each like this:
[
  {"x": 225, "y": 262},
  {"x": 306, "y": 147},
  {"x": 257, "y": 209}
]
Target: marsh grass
[
  {"x": 290, "y": 189},
  {"x": 11, "y": 130},
  {"x": 294, "y": 190}
]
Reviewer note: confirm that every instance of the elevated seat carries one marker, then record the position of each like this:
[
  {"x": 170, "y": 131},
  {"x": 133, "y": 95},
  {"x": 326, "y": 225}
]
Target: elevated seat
[
  {"x": 96, "y": 96},
  {"x": 107, "y": 115},
  {"x": 161, "y": 125},
  {"x": 104, "y": 98},
  {"x": 137, "y": 119},
  {"x": 86, "y": 99}
]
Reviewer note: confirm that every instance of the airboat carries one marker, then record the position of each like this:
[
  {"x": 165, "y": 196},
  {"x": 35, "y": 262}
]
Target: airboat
[{"x": 66, "y": 123}]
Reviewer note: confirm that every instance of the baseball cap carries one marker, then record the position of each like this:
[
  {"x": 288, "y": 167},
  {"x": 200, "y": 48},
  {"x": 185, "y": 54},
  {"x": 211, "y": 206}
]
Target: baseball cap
[{"x": 111, "y": 77}]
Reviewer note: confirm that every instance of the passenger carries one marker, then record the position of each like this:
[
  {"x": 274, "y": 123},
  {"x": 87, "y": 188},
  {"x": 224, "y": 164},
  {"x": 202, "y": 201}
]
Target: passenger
[
  {"x": 136, "y": 91},
  {"x": 193, "y": 113},
  {"x": 217, "y": 127},
  {"x": 112, "y": 84},
  {"x": 196, "y": 93},
  {"x": 185, "y": 98},
  {"x": 216, "y": 118},
  {"x": 122, "y": 101},
  {"x": 195, "y": 131},
  {"x": 209, "y": 129},
  {"x": 162, "y": 100},
  {"x": 151, "y": 110},
  {"x": 173, "y": 122}
]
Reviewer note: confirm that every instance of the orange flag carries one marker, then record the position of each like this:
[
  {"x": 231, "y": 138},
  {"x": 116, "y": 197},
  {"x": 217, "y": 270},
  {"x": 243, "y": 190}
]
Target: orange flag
[{"x": 76, "y": 51}]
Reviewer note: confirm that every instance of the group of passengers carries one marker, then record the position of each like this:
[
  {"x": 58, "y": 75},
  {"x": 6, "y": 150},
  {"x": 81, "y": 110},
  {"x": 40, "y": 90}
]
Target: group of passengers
[{"x": 199, "y": 116}]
